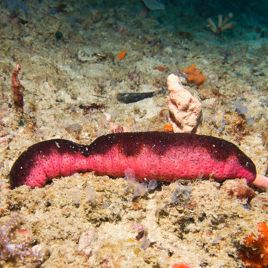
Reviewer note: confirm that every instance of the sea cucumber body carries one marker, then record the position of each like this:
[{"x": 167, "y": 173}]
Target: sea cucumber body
[{"x": 147, "y": 155}]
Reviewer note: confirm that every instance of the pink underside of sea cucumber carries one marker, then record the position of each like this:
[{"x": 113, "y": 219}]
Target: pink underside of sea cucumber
[{"x": 147, "y": 155}]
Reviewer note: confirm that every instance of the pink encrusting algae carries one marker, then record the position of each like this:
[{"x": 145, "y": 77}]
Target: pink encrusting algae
[{"x": 152, "y": 155}]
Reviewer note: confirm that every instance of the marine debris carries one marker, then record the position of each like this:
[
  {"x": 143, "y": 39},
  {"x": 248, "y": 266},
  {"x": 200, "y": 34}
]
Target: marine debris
[
  {"x": 17, "y": 88},
  {"x": 184, "y": 109},
  {"x": 223, "y": 24}
]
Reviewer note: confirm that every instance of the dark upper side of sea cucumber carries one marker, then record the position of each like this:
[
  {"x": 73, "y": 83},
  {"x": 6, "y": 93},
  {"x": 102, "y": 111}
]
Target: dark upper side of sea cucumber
[{"x": 131, "y": 144}]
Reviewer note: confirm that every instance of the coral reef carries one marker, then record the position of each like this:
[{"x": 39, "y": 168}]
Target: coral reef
[{"x": 184, "y": 109}]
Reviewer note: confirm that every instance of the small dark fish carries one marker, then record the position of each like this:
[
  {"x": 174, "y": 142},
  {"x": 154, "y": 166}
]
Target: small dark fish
[
  {"x": 137, "y": 96},
  {"x": 134, "y": 96}
]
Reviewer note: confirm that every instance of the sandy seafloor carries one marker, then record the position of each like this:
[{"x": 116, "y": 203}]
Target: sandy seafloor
[{"x": 94, "y": 221}]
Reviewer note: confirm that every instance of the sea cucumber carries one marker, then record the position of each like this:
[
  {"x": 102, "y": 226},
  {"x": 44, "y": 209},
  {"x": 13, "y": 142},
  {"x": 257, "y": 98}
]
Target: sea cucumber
[{"x": 148, "y": 155}]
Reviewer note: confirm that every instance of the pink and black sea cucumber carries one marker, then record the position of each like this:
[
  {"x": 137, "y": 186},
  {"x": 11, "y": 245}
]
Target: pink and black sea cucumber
[{"x": 148, "y": 155}]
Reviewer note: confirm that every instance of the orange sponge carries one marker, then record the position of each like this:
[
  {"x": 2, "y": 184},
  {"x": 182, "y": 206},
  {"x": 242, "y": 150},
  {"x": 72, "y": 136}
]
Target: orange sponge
[
  {"x": 121, "y": 55},
  {"x": 254, "y": 254},
  {"x": 194, "y": 75},
  {"x": 168, "y": 127}
]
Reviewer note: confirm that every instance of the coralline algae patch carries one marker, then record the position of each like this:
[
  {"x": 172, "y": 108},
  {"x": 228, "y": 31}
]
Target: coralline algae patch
[{"x": 115, "y": 223}]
